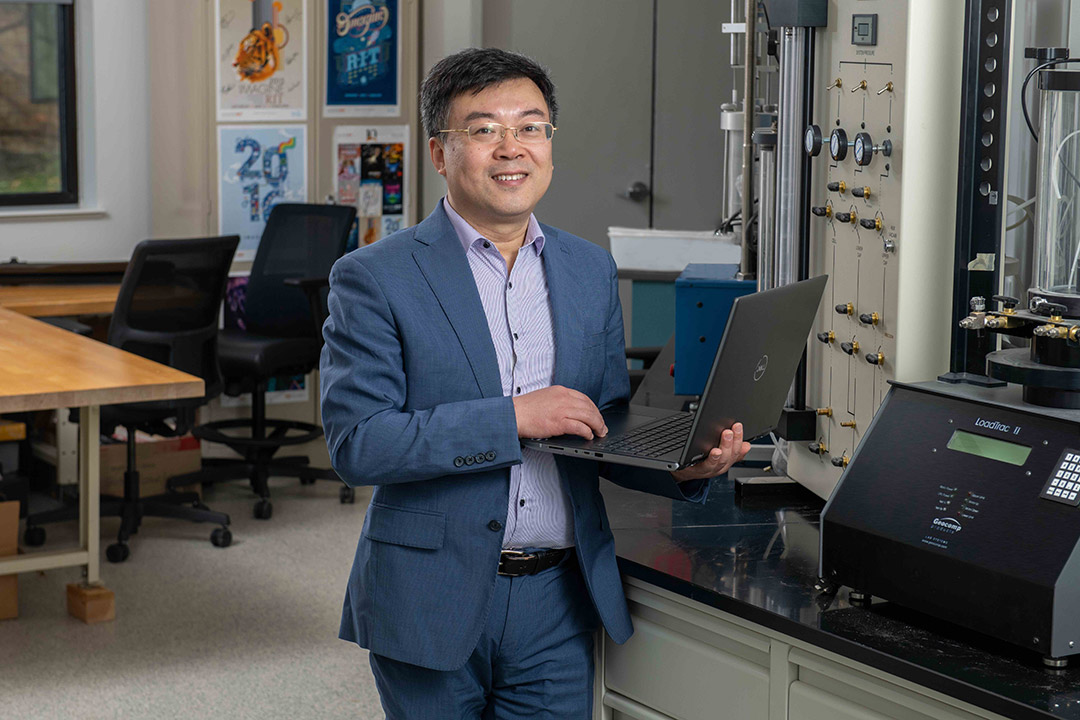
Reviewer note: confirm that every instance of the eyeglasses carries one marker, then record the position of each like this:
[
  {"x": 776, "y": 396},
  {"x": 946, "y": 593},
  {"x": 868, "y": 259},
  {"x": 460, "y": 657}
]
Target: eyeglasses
[{"x": 493, "y": 132}]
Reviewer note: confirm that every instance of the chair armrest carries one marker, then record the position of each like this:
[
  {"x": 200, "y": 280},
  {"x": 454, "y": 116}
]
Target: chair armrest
[
  {"x": 311, "y": 286},
  {"x": 645, "y": 353}
]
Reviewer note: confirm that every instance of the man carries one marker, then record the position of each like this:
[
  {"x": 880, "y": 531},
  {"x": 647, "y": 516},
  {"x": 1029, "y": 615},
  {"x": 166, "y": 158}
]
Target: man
[{"x": 483, "y": 568}]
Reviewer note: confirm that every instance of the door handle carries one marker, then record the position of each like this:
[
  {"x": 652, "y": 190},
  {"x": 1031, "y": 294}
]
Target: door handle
[{"x": 638, "y": 192}]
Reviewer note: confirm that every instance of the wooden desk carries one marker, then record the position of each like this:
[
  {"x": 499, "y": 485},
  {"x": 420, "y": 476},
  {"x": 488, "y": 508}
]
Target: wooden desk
[
  {"x": 54, "y": 300},
  {"x": 44, "y": 368}
]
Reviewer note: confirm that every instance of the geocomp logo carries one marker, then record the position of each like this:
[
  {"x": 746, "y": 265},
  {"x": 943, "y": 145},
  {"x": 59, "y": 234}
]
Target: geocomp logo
[
  {"x": 761, "y": 365},
  {"x": 948, "y": 525}
]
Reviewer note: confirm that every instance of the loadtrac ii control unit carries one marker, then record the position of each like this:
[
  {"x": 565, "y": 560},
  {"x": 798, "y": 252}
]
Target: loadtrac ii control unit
[
  {"x": 962, "y": 502},
  {"x": 884, "y": 167}
]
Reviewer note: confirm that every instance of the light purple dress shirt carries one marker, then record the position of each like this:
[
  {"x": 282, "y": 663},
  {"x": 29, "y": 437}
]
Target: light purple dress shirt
[{"x": 518, "y": 312}]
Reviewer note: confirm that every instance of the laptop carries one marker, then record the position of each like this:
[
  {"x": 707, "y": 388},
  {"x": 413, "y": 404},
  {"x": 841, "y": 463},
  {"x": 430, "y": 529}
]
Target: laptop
[{"x": 749, "y": 382}]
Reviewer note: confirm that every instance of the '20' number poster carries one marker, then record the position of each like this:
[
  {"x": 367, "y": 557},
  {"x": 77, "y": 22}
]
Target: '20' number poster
[{"x": 258, "y": 167}]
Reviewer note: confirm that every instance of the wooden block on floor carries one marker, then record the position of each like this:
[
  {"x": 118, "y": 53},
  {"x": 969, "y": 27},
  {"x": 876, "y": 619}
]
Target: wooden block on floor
[
  {"x": 9, "y": 597},
  {"x": 91, "y": 603}
]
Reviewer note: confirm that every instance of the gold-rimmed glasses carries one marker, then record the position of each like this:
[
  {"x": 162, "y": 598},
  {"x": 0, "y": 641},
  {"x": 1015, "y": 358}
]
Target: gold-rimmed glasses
[{"x": 493, "y": 132}]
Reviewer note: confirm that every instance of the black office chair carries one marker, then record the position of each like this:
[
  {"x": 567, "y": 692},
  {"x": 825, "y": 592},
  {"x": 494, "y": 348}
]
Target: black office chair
[
  {"x": 167, "y": 311},
  {"x": 284, "y": 308}
]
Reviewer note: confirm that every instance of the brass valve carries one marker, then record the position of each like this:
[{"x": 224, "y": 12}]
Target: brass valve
[
  {"x": 850, "y": 347},
  {"x": 976, "y": 321},
  {"x": 863, "y": 192},
  {"x": 818, "y": 448},
  {"x": 841, "y": 461},
  {"x": 822, "y": 210},
  {"x": 875, "y": 358},
  {"x": 848, "y": 424},
  {"x": 860, "y": 86},
  {"x": 827, "y": 412},
  {"x": 873, "y": 223},
  {"x": 888, "y": 88},
  {"x": 845, "y": 309},
  {"x": 847, "y": 217},
  {"x": 826, "y": 337},
  {"x": 838, "y": 186},
  {"x": 1074, "y": 333},
  {"x": 869, "y": 318},
  {"x": 837, "y": 83},
  {"x": 1001, "y": 322}
]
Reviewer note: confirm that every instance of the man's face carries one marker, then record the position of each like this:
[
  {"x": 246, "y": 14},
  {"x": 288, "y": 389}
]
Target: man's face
[{"x": 501, "y": 183}]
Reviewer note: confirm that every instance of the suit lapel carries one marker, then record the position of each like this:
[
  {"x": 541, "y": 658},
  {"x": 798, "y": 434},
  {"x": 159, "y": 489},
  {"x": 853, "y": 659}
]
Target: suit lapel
[
  {"x": 562, "y": 290},
  {"x": 443, "y": 264}
]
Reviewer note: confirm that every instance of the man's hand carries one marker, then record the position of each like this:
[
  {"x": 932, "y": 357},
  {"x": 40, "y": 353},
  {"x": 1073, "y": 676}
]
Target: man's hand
[
  {"x": 557, "y": 410},
  {"x": 731, "y": 450}
]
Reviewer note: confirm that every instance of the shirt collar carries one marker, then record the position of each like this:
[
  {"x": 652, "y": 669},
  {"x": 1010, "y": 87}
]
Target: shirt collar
[{"x": 468, "y": 235}]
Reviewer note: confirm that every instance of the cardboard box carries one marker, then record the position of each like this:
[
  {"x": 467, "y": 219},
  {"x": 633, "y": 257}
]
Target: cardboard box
[
  {"x": 9, "y": 545},
  {"x": 156, "y": 458}
]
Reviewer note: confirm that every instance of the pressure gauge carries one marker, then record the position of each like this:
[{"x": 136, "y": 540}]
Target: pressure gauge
[
  {"x": 812, "y": 141},
  {"x": 864, "y": 149},
  {"x": 838, "y": 144}
]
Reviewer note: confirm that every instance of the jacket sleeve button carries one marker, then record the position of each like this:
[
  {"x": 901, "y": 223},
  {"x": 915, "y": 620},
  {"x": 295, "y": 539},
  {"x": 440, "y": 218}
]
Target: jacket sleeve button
[
  {"x": 469, "y": 460},
  {"x": 490, "y": 456},
  {"x": 480, "y": 457},
  {"x": 459, "y": 461},
  {"x": 495, "y": 526}
]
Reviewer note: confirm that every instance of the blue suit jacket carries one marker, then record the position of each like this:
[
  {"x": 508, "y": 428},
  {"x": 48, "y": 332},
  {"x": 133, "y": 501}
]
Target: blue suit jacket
[{"x": 410, "y": 383}]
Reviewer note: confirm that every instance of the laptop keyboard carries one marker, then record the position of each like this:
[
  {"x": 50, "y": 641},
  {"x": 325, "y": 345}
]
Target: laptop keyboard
[{"x": 651, "y": 440}]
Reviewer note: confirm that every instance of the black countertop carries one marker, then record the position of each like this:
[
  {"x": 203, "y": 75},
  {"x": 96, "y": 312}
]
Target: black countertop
[{"x": 756, "y": 558}]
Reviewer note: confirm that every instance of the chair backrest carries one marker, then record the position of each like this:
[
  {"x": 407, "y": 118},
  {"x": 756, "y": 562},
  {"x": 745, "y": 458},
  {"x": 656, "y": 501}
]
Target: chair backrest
[
  {"x": 300, "y": 241},
  {"x": 168, "y": 305}
]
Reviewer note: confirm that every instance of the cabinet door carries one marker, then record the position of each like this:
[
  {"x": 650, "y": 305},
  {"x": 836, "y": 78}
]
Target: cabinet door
[{"x": 809, "y": 703}]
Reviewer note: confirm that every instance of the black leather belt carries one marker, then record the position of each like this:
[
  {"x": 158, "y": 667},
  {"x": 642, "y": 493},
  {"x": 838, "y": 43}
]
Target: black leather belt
[{"x": 516, "y": 563}]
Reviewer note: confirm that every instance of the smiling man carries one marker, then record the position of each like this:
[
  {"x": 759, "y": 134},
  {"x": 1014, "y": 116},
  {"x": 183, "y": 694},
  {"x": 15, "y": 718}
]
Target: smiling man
[{"x": 483, "y": 568}]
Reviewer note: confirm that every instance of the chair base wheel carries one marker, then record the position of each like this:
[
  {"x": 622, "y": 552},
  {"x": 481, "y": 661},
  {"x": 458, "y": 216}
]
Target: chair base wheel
[
  {"x": 117, "y": 552},
  {"x": 34, "y": 536},
  {"x": 221, "y": 537},
  {"x": 263, "y": 510},
  {"x": 347, "y": 495},
  {"x": 307, "y": 480}
]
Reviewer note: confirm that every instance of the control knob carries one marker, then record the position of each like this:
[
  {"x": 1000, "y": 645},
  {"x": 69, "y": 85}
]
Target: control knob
[
  {"x": 841, "y": 461},
  {"x": 818, "y": 448},
  {"x": 837, "y": 186},
  {"x": 846, "y": 217},
  {"x": 875, "y": 358},
  {"x": 826, "y": 337},
  {"x": 845, "y": 309},
  {"x": 873, "y": 223},
  {"x": 850, "y": 347},
  {"x": 863, "y": 192},
  {"x": 869, "y": 318},
  {"x": 822, "y": 211}
]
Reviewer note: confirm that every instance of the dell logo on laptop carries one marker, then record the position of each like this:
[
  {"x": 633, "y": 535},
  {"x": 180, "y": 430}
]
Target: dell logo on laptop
[{"x": 761, "y": 365}]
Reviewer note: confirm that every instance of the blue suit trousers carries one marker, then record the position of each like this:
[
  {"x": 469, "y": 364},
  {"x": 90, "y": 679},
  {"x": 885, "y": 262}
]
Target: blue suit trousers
[{"x": 534, "y": 658}]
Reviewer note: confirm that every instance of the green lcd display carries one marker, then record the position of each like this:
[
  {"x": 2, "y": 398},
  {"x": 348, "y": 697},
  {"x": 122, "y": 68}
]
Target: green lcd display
[{"x": 989, "y": 447}]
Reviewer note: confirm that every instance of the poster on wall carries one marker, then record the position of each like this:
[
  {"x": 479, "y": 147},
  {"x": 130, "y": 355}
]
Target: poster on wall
[
  {"x": 261, "y": 60},
  {"x": 284, "y": 389},
  {"x": 369, "y": 174},
  {"x": 363, "y": 64},
  {"x": 258, "y": 166}
]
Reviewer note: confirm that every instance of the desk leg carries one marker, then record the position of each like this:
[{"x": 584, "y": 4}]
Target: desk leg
[{"x": 89, "y": 600}]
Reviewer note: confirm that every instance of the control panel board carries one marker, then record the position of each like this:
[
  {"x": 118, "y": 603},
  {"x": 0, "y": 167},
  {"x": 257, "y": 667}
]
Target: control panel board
[{"x": 863, "y": 192}]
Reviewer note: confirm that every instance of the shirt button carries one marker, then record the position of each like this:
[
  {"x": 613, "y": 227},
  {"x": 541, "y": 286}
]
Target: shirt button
[
  {"x": 511, "y": 285},
  {"x": 522, "y": 503},
  {"x": 518, "y": 391},
  {"x": 487, "y": 244},
  {"x": 494, "y": 526},
  {"x": 515, "y": 336}
]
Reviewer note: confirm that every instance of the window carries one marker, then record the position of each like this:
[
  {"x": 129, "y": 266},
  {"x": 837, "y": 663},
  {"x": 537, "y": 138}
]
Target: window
[{"x": 37, "y": 103}]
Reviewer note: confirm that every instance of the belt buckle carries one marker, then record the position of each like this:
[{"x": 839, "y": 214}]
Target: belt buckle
[{"x": 513, "y": 555}]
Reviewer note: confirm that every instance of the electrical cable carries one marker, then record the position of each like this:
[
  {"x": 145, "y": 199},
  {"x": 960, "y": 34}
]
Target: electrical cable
[{"x": 1023, "y": 90}]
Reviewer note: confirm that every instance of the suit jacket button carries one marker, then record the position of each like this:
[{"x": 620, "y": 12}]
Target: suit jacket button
[
  {"x": 490, "y": 455},
  {"x": 480, "y": 457},
  {"x": 494, "y": 526},
  {"x": 469, "y": 460},
  {"x": 459, "y": 461}
]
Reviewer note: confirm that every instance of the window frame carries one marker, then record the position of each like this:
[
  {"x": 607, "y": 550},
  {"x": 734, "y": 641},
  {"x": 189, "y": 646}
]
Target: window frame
[{"x": 69, "y": 166}]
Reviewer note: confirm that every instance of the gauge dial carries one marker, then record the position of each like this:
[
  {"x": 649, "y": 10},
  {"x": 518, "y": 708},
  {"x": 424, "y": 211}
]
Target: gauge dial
[
  {"x": 864, "y": 149},
  {"x": 812, "y": 141},
  {"x": 838, "y": 144}
]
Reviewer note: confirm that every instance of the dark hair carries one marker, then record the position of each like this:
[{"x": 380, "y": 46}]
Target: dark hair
[{"x": 474, "y": 70}]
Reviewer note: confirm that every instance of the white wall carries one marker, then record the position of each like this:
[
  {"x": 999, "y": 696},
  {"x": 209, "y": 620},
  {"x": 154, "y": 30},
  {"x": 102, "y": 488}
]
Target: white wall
[{"x": 114, "y": 148}]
